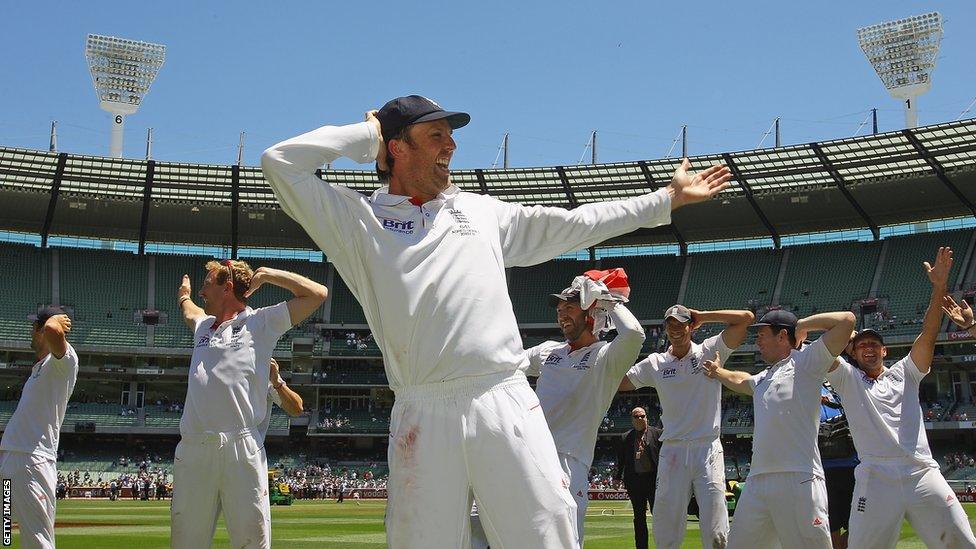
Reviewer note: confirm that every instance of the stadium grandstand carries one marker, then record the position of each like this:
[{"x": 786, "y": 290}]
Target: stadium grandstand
[{"x": 841, "y": 224}]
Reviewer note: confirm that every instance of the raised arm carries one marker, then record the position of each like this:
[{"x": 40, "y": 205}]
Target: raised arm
[
  {"x": 55, "y": 332},
  {"x": 838, "y": 326},
  {"x": 924, "y": 347},
  {"x": 532, "y": 235},
  {"x": 309, "y": 295},
  {"x": 732, "y": 379},
  {"x": 291, "y": 402},
  {"x": 737, "y": 322},
  {"x": 191, "y": 313},
  {"x": 624, "y": 349}
]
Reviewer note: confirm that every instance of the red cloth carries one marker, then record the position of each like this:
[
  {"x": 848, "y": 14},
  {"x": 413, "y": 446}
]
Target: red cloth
[{"x": 615, "y": 279}]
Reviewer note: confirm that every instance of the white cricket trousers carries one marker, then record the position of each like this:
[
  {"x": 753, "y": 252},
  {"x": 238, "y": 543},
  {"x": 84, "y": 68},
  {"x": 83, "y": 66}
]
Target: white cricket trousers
[
  {"x": 216, "y": 472},
  {"x": 485, "y": 434},
  {"x": 684, "y": 466},
  {"x": 579, "y": 486},
  {"x": 32, "y": 482},
  {"x": 886, "y": 491},
  {"x": 782, "y": 510}
]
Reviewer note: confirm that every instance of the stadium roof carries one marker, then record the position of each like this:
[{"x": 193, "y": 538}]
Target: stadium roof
[{"x": 863, "y": 182}]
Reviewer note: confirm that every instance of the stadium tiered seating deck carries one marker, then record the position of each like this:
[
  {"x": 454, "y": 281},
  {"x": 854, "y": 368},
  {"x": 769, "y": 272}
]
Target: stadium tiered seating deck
[
  {"x": 7, "y": 408},
  {"x": 654, "y": 282},
  {"x": 828, "y": 277},
  {"x": 730, "y": 280},
  {"x": 102, "y": 415},
  {"x": 169, "y": 275},
  {"x": 345, "y": 308},
  {"x": 904, "y": 282},
  {"x": 270, "y": 294},
  {"x": 529, "y": 287},
  {"x": 105, "y": 288},
  {"x": 159, "y": 416},
  {"x": 26, "y": 286}
]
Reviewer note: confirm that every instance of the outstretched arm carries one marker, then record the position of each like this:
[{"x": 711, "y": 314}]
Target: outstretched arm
[
  {"x": 191, "y": 313},
  {"x": 309, "y": 295},
  {"x": 924, "y": 347},
  {"x": 737, "y": 324},
  {"x": 733, "y": 380}
]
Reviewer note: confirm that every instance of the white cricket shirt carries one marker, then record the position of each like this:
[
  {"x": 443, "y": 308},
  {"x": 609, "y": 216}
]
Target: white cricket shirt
[
  {"x": 36, "y": 423},
  {"x": 786, "y": 404},
  {"x": 227, "y": 389},
  {"x": 575, "y": 388},
  {"x": 884, "y": 413},
  {"x": 691, "y": 403},
  {"x": 431, "y": 278}
]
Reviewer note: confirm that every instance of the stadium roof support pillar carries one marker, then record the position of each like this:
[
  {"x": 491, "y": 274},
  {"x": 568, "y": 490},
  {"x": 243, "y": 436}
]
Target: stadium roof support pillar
[
  {"x": 53, "y": 202},
  {"x": 235, "y": 206},
  {"x": 569, "y": 191},
  {"x": 146, "y": 199},
  {"x": 842, "y": 186},
  {"x": 752, "y": 200},
  {"x": 682, "y": 244},
  {"x": 938, "y": 169},
  {"x": 480, "y": 174}
]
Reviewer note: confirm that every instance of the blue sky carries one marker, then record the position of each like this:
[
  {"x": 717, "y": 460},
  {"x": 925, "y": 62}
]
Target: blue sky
[{"x": 547, "y": 72}]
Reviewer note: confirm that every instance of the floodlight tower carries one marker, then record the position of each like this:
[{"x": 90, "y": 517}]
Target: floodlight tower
[
  {"x": 122, "y": 71},
  {"x": 903, "y": 54}
]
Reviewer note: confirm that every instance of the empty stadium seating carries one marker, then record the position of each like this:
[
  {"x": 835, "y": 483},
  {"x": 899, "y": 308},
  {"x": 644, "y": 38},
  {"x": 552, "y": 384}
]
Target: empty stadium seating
[
  {"x": 733, "y": 279},
  {"x": 828, "y": 277},
  {"x": 26, "y": 286}
]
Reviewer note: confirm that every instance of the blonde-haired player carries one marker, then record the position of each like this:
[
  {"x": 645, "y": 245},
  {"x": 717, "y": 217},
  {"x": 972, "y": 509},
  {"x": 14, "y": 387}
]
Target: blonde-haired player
[{"x": 220, "y": 460}]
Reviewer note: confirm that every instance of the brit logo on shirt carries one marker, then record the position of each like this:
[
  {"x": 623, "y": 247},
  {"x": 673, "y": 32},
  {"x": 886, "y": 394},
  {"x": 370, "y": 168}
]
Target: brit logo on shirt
[
  {"x": 204, "y": 341},
  {"x": 397, "y": 225},
  {"x": 553, "y": 360},
  {"x": 669, "y": 373}
]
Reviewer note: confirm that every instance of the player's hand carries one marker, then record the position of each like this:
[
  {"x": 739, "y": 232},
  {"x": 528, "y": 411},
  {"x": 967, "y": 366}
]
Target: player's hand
[
  {"x": 711, "y": 368},
  {"x": 184, "y": 289},
  {"x": 381, "y": 151},
  {"x": 258, "y": 279},
  {"x": 960, "y": 314},
  {"x": 60, "y": 322},
  {"x": 688, "y": 187},
  {"x": 696, "y": 320},
  {"x": 939, "y": 274}
]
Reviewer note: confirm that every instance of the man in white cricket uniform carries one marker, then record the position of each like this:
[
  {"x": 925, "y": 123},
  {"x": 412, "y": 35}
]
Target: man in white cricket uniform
[
  {"x": 897, "y": 476},
  {"x": 29, "y": 448},
  {"x": 578, "y": 377},
  {"x": 785, "y": 498},
  {"x": 220, "y": 461},
  {"x": 427, "y": 263},
  {"x": 691, "y": 412}
]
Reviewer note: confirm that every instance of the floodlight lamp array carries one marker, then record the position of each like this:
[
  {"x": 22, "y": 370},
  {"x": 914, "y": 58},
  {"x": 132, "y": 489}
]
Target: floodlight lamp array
[
  {"x": 903, "y": 52},
  {"x": 122, "y": 70}
]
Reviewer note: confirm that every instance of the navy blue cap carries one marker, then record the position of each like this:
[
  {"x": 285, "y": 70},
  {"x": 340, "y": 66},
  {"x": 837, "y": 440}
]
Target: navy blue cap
[
  {"x": 412, "y": 109},
  {"x": 777, "y": 318},
  {"x": 566, "y": 295},
  {"x": 46, "y": 312},
  {"x": 867, "y": 332}
]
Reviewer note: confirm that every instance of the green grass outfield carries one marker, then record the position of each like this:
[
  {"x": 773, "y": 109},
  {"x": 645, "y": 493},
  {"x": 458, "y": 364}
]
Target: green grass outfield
[{"x": 321, "y": 524}]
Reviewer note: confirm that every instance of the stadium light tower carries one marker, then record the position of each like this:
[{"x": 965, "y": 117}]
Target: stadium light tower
[
  {"x": 903, "y": 54},
  {"x": 122, "y": 71}
]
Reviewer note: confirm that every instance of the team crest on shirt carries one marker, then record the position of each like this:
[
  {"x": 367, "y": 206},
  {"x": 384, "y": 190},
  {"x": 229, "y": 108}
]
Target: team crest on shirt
[
  {"x": 396, "y": 225},
  {"x": 583, "y": 362},
  {"x": 463, "y": 226},
  {"x": 696, "y": 366}
]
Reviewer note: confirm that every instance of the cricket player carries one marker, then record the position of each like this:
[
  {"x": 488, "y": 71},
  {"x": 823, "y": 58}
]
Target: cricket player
[
  {"x": 29, "y": 448},
  {"x": 427, "y": 263},
  {"x": 220, "y": 461},
  {"x": 578, "y": 377},
  {"x": 897, "y": 477},
  {"x": 785, "y": 498},
  {"x": 691, "y": 412}
]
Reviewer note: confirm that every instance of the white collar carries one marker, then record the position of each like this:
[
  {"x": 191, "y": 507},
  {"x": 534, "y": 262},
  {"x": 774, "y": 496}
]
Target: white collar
[{"x": 383, "y": 197}]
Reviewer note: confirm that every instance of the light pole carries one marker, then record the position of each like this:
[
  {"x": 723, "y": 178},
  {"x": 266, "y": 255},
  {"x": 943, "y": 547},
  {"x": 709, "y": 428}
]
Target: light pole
[
  {"x": 122, "y": 71},
  {"x": 903, "y": 54}
]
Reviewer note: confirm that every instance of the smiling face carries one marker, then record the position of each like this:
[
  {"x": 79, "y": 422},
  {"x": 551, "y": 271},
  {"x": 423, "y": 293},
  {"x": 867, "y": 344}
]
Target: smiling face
[
  {"x": 774, "y": 343},
  {"x": 679, "y": 333},
  {"x": 572, "y": 319},
  {"x": 869, "y": 353},
  {"x": 214, "y": 294},
  {"x": 422, "y": 160}
]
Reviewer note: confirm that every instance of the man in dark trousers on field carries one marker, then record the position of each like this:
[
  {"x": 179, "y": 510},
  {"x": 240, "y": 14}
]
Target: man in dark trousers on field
[{"x": 637, "y": 466}]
